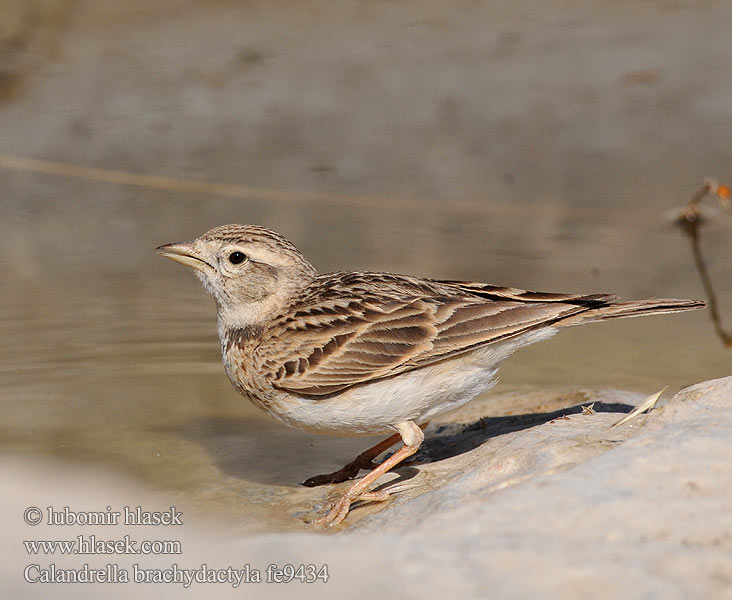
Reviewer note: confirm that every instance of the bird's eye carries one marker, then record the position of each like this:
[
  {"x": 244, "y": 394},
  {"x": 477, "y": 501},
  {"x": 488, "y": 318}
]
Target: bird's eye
[{"x": 236, "y": 258}]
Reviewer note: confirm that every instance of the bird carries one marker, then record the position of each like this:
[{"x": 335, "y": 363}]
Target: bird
[{"x": 359, "y": 353}]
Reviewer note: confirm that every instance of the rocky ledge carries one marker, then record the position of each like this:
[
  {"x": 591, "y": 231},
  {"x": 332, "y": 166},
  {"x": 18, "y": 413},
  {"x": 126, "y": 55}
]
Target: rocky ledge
[{"x": 564, "y": 507}]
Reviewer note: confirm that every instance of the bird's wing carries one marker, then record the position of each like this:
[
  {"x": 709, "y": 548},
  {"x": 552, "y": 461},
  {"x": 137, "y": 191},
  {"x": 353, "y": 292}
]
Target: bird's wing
[
  {"x": 496, "y": 292},
  {"x": 340, "y": 340}
]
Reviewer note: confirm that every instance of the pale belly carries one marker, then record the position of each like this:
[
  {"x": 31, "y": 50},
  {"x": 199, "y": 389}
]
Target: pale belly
[{"x": 417, "y": 395}]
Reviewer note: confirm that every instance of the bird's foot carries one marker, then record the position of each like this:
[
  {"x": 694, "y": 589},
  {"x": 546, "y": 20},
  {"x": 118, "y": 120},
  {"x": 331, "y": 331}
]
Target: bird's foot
[
  {"x": 340, "y": 509},
  {"x": 412, "y": 437}
]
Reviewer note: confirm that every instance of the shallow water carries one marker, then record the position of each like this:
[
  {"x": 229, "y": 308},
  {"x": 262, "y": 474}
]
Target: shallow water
[{"x": 110, "y": 353}]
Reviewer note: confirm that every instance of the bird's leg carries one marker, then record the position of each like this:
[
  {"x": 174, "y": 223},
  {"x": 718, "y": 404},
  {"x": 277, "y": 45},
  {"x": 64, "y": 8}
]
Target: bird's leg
[
  {"x": 412, "y": 437},
  {"x": 362, "y": 461}
]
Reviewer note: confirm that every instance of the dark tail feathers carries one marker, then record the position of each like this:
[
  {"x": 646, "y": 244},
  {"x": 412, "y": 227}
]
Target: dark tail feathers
[{"x": 634, "y": 308}]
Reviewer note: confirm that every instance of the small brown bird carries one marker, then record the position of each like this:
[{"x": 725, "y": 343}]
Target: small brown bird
[{"x": 360, "y": 353}]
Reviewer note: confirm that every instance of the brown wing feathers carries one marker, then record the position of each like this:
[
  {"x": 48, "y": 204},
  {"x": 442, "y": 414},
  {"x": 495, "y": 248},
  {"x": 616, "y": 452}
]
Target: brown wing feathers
[
  {"x": 350, "y": 347},
  {"x": 350, "y": 328},
  {"x": 363, "y": 343},
  {"x": 495, "y": 292}
]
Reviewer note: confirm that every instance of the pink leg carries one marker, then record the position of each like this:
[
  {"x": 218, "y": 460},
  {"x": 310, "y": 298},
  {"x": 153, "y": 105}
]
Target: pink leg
[
  {"x": 362, "y": 461},
  {"x": 412, "y": 437}
]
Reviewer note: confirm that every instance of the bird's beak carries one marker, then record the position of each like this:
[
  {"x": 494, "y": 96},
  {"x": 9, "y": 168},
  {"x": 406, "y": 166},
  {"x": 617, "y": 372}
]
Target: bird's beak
[{"x": 183, "y": 253}]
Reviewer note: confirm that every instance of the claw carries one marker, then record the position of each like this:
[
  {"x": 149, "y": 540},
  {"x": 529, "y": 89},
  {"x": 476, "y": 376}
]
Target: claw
[{"x": 341, "y": 508}]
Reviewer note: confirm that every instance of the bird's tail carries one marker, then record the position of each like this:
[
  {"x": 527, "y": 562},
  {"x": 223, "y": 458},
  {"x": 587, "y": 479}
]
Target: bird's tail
[{"x": 634, "y": 308}]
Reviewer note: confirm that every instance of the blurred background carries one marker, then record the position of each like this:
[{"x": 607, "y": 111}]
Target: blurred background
[{"x": 545, "y": 146}]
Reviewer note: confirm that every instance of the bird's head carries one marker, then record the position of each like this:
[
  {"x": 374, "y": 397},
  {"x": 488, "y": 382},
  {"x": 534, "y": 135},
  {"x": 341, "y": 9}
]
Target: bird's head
[{"x": 251, "y": 271}]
